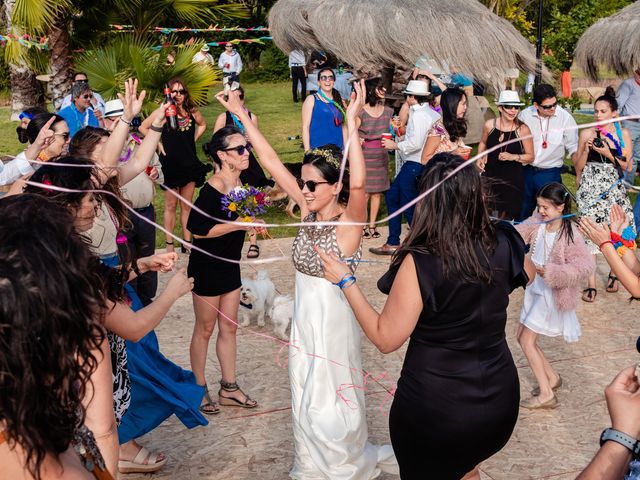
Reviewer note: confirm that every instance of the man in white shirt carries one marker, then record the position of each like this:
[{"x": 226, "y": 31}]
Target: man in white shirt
[
  {"x": 554, "y": 132},
  {"x": 297, "y": 66},
  {"x": 405, "y": 186},
  {"x": 97, "y": 102},
  {"x": 231, "y": 65},
  {"x": 203, "y": 56}
]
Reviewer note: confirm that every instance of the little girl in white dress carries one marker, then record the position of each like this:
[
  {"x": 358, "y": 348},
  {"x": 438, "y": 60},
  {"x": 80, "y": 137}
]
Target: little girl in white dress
[{"x": 562, "y": 261}]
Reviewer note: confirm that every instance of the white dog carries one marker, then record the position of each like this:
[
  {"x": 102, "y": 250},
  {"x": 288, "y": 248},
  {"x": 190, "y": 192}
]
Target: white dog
[
  {"x": 281, "y": 314},
  {"x": 256, "y": 298}
]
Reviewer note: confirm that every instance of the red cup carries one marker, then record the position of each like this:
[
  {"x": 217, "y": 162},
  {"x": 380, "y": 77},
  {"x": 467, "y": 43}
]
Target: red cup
[
  {"x": 384, "y": 136},
  {"x": 465, "y": 152},
  {"x": 148, "y": 170}
]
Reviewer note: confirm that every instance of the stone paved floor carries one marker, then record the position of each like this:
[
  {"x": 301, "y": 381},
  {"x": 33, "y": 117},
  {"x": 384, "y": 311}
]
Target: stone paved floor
[{"x": 257, "y": 444}]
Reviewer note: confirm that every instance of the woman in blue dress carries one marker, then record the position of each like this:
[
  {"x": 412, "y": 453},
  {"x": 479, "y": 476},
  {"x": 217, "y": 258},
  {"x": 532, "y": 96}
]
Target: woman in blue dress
[{"x": 323, "y": 116}]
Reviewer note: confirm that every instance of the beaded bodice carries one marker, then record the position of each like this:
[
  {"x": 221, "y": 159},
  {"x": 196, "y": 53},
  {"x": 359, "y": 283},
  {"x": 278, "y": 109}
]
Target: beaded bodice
[{"x": 305, "y": 258}]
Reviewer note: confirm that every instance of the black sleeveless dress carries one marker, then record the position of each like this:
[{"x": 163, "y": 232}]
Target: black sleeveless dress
[
  {"x": 458, "y": 394},
  {"x": 180, "y": 164},
  {"x": 506, "y": 177},
  {"x": 254, "y": 175},
  {"x": 213, "y": 277}
]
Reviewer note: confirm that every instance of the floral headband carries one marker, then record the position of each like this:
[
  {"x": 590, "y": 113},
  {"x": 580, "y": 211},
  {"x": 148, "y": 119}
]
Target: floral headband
[{"x": 327, "y": 155}]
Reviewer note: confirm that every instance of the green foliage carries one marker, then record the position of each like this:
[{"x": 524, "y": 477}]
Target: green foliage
[
  {"x": 5, "y": 83},
  {"x": 35, "y": 16},
  {"x": 572, "y": 103},
  {"x": 274, "y": 66},
  {"x": 109, "y": 66}
]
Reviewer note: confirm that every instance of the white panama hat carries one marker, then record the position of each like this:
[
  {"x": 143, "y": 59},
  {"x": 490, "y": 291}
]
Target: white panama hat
[
  {"x": 113, "y": 108},
  {"x": 509, "y": 97},
  {"x": 417, "y": 88}
]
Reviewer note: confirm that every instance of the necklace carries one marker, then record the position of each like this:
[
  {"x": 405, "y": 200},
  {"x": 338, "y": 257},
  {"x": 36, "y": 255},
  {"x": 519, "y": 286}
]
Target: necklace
[
  {"x": 545, "y": 133},
  {"x": 504, "y": 148},
  {"x": 619, "y": 145},
  {"x": 336, "y": 119},
  {"x": 184, "y": 123}
]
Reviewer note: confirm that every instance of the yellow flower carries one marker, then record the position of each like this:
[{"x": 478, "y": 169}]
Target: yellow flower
[
  {"x": 247, "y": 219},
  {"x": 232, "y": 207}
]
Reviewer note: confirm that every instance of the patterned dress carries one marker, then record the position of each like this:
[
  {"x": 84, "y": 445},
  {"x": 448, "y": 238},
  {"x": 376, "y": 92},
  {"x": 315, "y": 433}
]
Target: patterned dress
[
  {"x": 446, "y": 144},
  {"x": 376, "y": 158},
  {"x": 600, "y": 188},
  {"x": 328, "y": 407}
]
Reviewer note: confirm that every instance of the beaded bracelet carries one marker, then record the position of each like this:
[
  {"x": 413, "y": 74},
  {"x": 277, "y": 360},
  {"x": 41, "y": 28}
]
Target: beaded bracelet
[
  {"x": 124, "y": 120},
  {"x": 346, "y": 281},
  {"x": 153, "y": 128}
]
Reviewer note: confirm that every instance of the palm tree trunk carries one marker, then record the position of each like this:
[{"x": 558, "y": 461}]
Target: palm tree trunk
[
  {"x": 26, "y": 91},
  {"x": 60, "y": 60}
]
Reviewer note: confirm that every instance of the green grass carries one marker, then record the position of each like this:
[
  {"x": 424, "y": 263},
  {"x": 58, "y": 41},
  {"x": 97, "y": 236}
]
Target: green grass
[{"x": 278, "y": 117}]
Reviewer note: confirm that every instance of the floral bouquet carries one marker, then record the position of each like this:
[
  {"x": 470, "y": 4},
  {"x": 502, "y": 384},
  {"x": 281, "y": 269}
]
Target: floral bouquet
[{"x": 247, "y": 201}]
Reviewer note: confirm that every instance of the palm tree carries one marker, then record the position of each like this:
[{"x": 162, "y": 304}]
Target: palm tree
[
  {"x": 57, "y": 17},
  {"x": 26, "y": 90}
]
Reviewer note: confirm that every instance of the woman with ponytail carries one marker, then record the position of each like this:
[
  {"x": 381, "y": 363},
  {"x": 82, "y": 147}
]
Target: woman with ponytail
[{"x": 604, "y": 154}]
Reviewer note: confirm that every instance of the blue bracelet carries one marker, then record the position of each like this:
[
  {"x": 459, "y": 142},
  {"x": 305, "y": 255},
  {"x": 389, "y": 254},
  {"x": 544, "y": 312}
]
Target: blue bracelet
[{"x": 346, "y": 281}]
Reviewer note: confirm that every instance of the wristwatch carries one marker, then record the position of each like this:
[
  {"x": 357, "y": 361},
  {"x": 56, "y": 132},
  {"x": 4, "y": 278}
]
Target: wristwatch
[{"x": 623, "y": 439}]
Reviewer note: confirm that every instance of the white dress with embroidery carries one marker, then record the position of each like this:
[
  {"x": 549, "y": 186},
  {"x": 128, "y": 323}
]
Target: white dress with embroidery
[
  {"x": 325, "y": 369},
  {"x": 539, "y": 312}
]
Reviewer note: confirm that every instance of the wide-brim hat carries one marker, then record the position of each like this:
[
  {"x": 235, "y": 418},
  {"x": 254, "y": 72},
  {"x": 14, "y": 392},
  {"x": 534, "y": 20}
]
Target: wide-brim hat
[
  {"x": 205, "y": 48},
  {"x": 113, "y": 108},
  {"x": 509, "y": 97},
  {"x": 417, "y": 88}
]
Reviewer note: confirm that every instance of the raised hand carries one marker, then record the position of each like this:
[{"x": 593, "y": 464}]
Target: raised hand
[
  {"x": 623, "y": 402},
  {"x": 131, "y": 100},
  {"x": 617, "y": 219},
  {"x": 232, "y": 101},
  {"x": 357, "y": 102},
  {"x": 598, "y": 233}
]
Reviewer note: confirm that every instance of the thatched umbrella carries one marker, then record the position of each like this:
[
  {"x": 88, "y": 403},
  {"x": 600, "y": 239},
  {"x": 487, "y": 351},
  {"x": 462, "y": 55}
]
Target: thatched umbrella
[
  {"x": 370, "y": 34},
  {"x": 612, "y": 42}
]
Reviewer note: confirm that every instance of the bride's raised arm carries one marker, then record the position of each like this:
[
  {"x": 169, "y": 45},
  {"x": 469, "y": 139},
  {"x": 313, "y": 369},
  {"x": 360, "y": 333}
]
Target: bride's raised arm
[{"x": 264, "y": 151}]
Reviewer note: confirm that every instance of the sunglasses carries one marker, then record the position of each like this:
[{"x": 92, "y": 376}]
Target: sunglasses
[
  {"x": 181, "y": 91},
  {"x": 311, "y": 185},
  {"x": 548, "y": 107},
  {"x": 327, "y": 77},
  {"x": 64, "y": 135},
  {"x": 510, "y": 107},
  {"x": 240, "y": 149},
  {"x": 87, "y": 96}
]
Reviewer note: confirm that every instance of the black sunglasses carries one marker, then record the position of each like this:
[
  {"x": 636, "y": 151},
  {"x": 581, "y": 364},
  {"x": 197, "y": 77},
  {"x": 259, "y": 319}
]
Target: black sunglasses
[
  {"x": 181, "y": 92},
  {"x": 549, "y": 107},
  {"x": 510, "y": 107},
  {"x": 240, "y": 149},
  {"x": 311, "y": 185}
]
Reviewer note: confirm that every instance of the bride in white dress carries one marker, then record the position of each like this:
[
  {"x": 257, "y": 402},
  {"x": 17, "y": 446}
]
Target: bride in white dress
[{"x": 328, "y": 405}]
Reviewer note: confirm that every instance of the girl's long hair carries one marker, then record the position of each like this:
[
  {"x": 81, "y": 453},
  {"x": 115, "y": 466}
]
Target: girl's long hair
[
  {"x": 51, "y": 307},
  {"x": 449, "y": 101},
  {"x": 452, "y": 222},
  {"x": 558, "y": 194}
]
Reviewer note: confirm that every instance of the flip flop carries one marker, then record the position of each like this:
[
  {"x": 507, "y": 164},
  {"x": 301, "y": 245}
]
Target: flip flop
[
  {"x": 137, "y": 465},
  {"x": 253, "y": 252},
  {"x": 589, "y": 295},
  {"x": 612, "y": 284}
]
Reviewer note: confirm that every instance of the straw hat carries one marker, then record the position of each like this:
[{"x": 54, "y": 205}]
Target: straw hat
[
  {"x": 417, "y": 88},
  {"x": 509, "y": 97},
  {"x": 205, "y": 48},
  {"x": 113, "y": 108}
]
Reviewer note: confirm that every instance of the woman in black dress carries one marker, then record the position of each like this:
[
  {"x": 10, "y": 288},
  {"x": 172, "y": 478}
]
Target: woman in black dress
[
  {"x": 217, "y": 280},
  {"x": 449, "y": 285},
  {"x": 504, "y": 165},
  {"x": 253, "y": 175},
  {"x": 182, "y": 169}
]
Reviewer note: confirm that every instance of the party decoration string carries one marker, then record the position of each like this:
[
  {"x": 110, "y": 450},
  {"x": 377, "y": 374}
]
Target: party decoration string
[{"x": 169, "y": 30}]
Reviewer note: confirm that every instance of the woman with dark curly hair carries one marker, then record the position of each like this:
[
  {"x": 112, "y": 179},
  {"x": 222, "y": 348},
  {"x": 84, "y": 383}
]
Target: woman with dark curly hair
[
  {"x": 141, "y": 359},
  {"x": 182, "y": 169},
  {"x": 446, "y": 134},
  {"x": 51, "y": 354}
]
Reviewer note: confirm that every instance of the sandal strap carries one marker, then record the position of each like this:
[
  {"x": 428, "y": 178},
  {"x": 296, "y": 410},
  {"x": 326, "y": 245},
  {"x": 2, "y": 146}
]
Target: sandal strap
[
  {"x": 229, "y": 386},
  {"x": 143, "y": 454}
]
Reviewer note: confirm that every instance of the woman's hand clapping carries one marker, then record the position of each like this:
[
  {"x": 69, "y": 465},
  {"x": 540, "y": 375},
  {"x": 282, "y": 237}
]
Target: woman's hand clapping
[
  {"x": 598, "y": 233},
  {"x": 617, "y": 219}
]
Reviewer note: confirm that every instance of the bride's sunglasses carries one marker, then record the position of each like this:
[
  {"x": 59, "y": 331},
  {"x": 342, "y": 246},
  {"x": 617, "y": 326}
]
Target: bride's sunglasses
[{"x": 311, "y": 185}]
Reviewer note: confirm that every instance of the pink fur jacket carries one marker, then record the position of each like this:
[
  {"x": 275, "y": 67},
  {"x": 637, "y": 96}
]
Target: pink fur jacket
[{"x": 569, "y": 264}]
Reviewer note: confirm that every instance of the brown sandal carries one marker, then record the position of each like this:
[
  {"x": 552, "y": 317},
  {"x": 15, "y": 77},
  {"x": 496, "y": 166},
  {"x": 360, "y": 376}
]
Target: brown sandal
[
  {"x": 209, "y": 407},
  {"x": 234, "y": 402}
]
